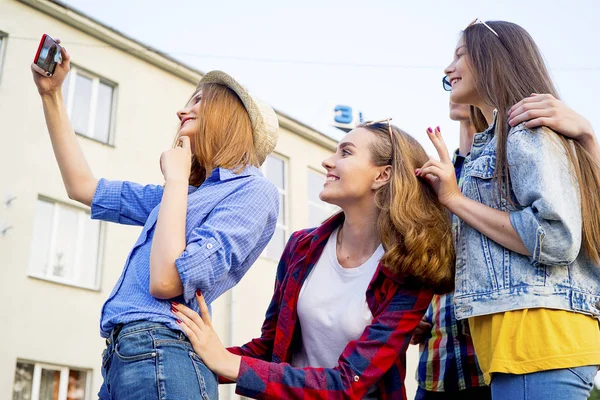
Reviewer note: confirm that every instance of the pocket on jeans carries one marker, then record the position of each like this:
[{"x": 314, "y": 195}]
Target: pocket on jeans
[
  {"x": 135, "y": 346},
  {"x": 207, "y": 380},
  {"x": 586, "y": 374}
]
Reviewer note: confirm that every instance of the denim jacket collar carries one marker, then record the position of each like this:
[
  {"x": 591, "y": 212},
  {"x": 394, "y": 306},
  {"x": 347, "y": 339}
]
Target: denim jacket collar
[{"x": 480, "y": 140}]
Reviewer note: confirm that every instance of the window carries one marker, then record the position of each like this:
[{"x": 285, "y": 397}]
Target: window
[
  {"x": 318, "y": 210},
  {"x": 275, "y": 169},
  {"x": 36, "y": 381},
  {"x": 65, "y": 245},
  {"x": 90, "y": 103}
]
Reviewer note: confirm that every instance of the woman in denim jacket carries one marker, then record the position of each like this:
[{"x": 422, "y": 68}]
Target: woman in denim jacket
[{"x": 527, "y": 232}]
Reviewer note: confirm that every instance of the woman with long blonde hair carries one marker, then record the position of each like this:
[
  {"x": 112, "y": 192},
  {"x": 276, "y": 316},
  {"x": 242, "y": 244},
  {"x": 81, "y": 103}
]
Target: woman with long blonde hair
[
  {"x": 349, "y": 293},
  {"x": 202, "y": 230}
]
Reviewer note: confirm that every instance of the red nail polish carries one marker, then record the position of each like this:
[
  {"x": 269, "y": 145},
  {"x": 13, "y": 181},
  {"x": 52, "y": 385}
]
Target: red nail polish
[
  {"x": 429, "y": 130},
  {"x": 178, "y": 321},
  {"x": 198, "y": 292},
  {"x": 174, "y": 303},
  {"x": 174, "y": 309}
]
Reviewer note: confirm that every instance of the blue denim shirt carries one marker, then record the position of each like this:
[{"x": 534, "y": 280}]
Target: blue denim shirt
[
  {"x": 558, "y": 274},
  {"x": 230, "y": 219}
]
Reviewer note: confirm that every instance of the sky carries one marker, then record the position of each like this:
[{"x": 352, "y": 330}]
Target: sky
[{"x": 383, "y": 58}]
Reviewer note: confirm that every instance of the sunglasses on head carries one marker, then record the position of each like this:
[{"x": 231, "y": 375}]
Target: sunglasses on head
[
  {"x": 389, "y": 124},
  {"x": 478, "y": 21}
]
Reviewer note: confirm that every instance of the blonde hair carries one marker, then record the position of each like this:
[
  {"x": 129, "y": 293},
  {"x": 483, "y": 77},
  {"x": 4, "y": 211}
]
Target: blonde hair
[
  {"x": 224, "y": 138},
  {"x": 415, "y": 228}
]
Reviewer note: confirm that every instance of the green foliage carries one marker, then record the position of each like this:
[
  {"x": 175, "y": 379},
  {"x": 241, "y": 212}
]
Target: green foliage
[{"x": 595, "y": 395}]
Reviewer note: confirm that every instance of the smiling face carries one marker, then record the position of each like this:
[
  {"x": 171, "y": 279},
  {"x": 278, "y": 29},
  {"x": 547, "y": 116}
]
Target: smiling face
[
  {"x": 352, "y": 177},
  {"x": 459, "y": 72},
  {"x": 189, "y": 124}
]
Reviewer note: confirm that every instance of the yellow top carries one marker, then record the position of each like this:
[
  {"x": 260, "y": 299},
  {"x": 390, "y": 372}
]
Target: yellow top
[{"x": 533, "y": 340}]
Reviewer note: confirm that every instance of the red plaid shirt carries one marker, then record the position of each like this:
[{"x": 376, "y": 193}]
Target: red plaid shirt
[{"x": 378, "y": 357}]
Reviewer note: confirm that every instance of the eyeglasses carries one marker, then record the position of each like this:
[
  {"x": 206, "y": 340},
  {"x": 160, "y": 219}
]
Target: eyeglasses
[
  {"x": 478, "y": 21},
  {"x": 446, "y": 84}
]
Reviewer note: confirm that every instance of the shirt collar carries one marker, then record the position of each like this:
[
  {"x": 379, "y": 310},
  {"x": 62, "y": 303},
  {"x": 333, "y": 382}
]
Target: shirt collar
[
  {"x": 224, "y": 174},
  {"x": 326, "y": 228},
  {"x": 319, "y": 236},
  {"x": 486, "y": 135},
  {"x": 481, "y": 140}
]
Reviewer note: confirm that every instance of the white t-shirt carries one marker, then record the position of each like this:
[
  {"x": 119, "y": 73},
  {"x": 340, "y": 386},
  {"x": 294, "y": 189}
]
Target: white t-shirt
[{"x": 332, "y": 307}]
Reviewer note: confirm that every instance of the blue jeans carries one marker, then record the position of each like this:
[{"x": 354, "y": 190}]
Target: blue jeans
[
  {"x": 556, "y": 384},
  {"x": 148, "y": 361}
]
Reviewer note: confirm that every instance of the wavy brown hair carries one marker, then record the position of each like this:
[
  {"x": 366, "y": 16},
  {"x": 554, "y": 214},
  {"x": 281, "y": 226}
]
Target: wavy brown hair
[
  {"x": 415, "y": 228},
  {"x": 225, "y": 135},
  {"x": 508, "y": 68}
]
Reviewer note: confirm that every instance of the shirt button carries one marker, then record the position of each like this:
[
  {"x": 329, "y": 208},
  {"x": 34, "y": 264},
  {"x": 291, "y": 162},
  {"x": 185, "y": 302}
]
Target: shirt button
[
  {"x": 209, "y": 246},
  {"x": 356, "y": 378}
]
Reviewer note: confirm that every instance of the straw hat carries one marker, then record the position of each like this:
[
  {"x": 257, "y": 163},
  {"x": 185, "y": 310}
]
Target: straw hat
[{"x": 265, "y": 126}]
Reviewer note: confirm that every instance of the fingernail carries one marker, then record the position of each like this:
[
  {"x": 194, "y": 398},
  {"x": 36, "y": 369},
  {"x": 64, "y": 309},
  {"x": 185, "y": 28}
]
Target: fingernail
[
  {"x": 429, "y": 130},
  {"x": 198, "y": 292},
  {"x": 174, "y": 303},
  {"x": 174, "y": 309},
  {"x": 417, "y": 171},
  {"x": 178, "y": 321},
  {"x": 437, "y": 129}
]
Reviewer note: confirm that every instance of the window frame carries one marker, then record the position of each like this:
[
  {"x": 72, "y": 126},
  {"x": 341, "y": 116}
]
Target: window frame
[
  {"x": 286, "y": 206},
  {"x": 3, "y": 46},
  {"x": 96, "y": 80},
  {"x": 82, "y": 214},
  {"x": 64, "y": 378}
]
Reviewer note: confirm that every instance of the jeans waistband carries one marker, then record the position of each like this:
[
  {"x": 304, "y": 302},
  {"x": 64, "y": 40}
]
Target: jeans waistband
[{"x": 121, "y": 329}]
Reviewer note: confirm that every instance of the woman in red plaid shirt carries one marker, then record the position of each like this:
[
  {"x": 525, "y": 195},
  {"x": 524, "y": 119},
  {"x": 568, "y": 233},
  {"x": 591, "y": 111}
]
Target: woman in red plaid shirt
[{"x": 348, "y": 294}]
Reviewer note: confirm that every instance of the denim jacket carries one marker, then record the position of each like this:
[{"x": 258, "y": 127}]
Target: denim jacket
[{"x": 546, "y": 214}]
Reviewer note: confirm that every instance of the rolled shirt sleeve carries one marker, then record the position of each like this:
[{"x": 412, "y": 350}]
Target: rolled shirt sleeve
[
  {"x": 238, "y": 228},
  {"x": 549, "y": 222},
  {"x": 125, "y": 202}
]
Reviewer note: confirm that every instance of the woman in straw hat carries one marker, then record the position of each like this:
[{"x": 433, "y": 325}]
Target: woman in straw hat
[
  {"x": 202, "y": 230},
  {"x": 349, "y": 293}
]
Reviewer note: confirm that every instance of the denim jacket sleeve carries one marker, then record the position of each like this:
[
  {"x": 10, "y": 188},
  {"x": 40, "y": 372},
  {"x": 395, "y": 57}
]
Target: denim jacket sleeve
[{"x": 549, "y": 217}]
